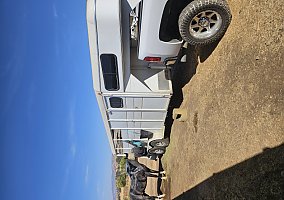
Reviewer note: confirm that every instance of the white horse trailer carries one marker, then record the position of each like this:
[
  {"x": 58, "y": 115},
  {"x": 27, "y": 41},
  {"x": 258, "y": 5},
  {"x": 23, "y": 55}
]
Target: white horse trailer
[{"x": 133, "y": 98}]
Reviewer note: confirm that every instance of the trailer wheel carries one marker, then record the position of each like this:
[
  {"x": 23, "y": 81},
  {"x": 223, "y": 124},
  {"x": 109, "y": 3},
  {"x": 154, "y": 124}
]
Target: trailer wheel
[
  {"x": 204, "y": 21},
  {"x": 157, "y": 150},
  {"x": 160, "y": 143}
]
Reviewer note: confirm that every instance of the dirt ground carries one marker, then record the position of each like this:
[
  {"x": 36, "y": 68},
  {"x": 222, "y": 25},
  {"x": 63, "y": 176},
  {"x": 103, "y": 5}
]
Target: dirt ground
[{"x": 232, "y": 145}]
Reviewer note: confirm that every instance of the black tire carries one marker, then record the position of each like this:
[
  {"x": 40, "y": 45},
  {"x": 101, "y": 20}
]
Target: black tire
[
  {"x": 193, "y": 10},
  {"x": 160, "y": 143},
  {"x": 157, "y": 150}
]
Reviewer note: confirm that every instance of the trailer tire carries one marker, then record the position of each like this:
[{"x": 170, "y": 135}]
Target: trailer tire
[
  {"x": 160, "y": 143},
  {"x": 157, "y": 150},
  {"x": 203, "y": 22}
]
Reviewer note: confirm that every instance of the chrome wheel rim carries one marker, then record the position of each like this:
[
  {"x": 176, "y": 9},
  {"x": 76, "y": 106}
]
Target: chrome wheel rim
[
  {"x": 205, "y": 24},
  {"x": 161, "y": 144},
  {"x": 159, "y": 151}
]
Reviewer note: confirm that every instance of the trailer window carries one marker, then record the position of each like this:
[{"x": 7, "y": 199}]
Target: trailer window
[
  {"x": 110, "y": 71},
  {"x": 116, "y": 102}
]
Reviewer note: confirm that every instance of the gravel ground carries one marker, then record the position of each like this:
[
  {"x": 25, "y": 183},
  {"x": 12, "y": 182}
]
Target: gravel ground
[{"x": 232, "y": 144}]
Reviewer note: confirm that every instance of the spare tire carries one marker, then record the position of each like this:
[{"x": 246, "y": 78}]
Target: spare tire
[{"x": 204, "y": 21}]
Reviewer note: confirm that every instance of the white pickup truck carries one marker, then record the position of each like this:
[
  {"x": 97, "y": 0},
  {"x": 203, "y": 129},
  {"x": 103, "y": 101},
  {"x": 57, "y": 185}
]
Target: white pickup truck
[
  {"x": 132, "y": 43},
  {"x": 164, "y": 24}
]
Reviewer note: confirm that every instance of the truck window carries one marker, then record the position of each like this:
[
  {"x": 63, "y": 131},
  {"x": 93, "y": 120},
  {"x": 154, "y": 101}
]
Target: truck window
[
  {"x": 110, "y": 71},
  {"x": 116, "y": 102}
]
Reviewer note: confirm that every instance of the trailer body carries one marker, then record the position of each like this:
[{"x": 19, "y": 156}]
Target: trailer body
[{"x": 132, "y": 96}]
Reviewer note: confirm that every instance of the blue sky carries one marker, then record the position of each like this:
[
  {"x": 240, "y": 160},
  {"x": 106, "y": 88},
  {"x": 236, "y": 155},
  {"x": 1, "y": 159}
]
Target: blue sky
[{"x": 52, "y": 141}]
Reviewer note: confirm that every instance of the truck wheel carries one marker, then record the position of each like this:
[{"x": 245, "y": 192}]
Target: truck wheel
[
  {"x": 157, "y": 150},
  {"x": 204, "y": 21},
  {"x": 160, "y": 143}
]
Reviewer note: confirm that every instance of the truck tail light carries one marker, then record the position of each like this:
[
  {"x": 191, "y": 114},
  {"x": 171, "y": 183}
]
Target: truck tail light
[{"x": 153, "y": 59}]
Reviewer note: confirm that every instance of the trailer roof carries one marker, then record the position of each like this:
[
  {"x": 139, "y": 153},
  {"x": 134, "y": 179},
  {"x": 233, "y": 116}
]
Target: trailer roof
[{"x": 93, "y": 41}]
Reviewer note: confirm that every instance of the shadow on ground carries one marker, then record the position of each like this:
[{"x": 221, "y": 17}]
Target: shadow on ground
[
  {"x": 182, "y": 73},
  {"x": 260, "y": 177}
]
